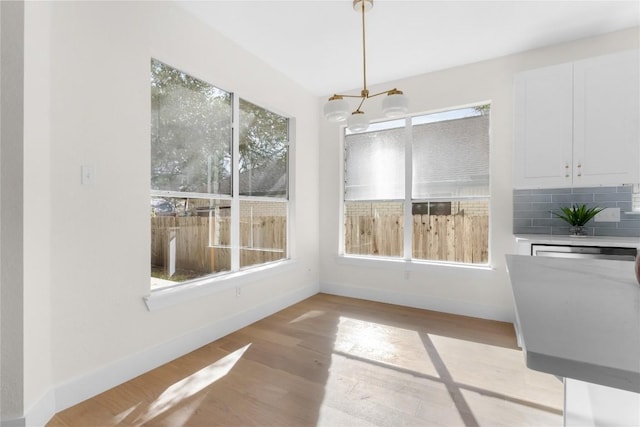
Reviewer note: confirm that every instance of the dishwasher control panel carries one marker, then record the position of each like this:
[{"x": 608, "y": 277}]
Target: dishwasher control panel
[{"x": 583, "y": 251}]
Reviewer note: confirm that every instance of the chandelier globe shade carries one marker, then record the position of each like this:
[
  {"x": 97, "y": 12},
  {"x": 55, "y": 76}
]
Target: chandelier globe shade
[
  {"x": 336, "y": 109},
  {"x": 395, "y": 104},
  {"x": 358, "y": 122}
]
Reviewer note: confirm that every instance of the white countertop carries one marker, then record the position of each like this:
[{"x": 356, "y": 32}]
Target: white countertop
[
  {"x": 587, "y": 240},
  {"x": 579, "y": 318}
]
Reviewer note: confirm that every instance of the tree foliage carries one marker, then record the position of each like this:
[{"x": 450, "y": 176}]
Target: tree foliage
[{"x": 191, "y": 136}]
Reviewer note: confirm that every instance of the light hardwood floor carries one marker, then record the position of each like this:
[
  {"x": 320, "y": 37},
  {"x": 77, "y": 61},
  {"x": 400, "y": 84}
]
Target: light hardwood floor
[{"x": 335, "y": 361}]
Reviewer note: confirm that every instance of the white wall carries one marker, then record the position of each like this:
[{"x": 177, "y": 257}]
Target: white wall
[
  {"x": 87, "y": 102},
  {"x": 37, "y": 202},
  {"x": 481, "y": 293}
]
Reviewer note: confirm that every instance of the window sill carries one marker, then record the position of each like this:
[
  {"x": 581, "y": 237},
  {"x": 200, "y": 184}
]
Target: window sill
[
  {"x": 162, "y": 298},
  {"x": 405, "y": 265}
]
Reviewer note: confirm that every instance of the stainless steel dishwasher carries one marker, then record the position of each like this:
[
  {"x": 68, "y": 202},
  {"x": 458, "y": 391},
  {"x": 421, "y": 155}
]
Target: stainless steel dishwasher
[{"x": 583, "y": 251}]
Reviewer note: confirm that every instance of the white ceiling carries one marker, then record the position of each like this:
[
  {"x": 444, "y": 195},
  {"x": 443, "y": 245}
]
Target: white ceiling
[{"x": 318, "y": 44}]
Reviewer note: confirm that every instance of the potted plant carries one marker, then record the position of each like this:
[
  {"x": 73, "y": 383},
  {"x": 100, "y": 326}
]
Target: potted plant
[{"x": 577, "y": 216}]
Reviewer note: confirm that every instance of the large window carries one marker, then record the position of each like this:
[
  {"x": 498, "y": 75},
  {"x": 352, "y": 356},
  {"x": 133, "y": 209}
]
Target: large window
[
  {"x": 219, "y": 198},
  {"x": 418, "y": 188}
]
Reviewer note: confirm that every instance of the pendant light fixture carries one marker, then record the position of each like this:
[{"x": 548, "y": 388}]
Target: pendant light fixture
[{"x": 337, "y": 109}]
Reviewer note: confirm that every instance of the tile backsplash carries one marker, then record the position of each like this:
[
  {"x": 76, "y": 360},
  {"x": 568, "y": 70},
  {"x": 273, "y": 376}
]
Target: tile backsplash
[{"x": 532, "y": 210}]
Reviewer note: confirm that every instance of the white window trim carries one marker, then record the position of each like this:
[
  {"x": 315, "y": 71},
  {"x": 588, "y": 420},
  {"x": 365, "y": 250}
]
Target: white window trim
[
  {"x": 167, "y": 297},
  {"x": 408, "y": 185},
  {"x": 181, "y": 292},
  {"x": 406, "y": 262}
]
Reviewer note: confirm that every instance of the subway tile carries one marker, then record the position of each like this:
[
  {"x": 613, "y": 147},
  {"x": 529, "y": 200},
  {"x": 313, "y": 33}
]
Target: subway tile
[
  {"x": 548, "y": 207},
  {"x": 594, "y": 190},
  {"x": 607, "y": 225},
  {"x": 531, "y": 214},
  {"x": 606, "y": 204},
  {"x": 624, "y": 207},
  {"x": 522, "y": 222},
  {"x": 522, "y": 192},
  {"x": 629, "y": 224},
  {"x": 625, "y": 189},
  {"x": 549, "y": 222},
  {"x": 532, "y": 198},
  {"x": 554, "y": 191},
  {"x": 613, "y": 197},
  {"x": 572, "y": 198},
  {"x": 522, "y": 207},
  {"x": 532, "y": 230},
  {"x": 560, "y": 231}
]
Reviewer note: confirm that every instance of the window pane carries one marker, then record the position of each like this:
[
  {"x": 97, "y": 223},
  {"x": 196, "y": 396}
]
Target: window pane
[
  {"x": 451, "y": 154},
  {"x": 460, "y": 235},
  {"x": 263, "y": 232},
  {"x": 374, "y": 165},
  {"x": 190, "y": 238},
  {"x": 373, "y": 228},
  {"x": 264, "y": 138},
  {"x": 190, "y": 133}
]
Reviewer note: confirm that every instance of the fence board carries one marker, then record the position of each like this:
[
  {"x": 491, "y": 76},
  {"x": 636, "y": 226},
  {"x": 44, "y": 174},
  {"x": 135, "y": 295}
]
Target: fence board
[
  {"x": 457, "y": 238},
  {"x": 262, "y": 241}
]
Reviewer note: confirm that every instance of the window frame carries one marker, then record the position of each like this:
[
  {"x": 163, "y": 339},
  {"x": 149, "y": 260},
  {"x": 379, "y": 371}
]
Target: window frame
[
  {"x": 236, "y": 276},
  {"x": 406, "y": 262}
]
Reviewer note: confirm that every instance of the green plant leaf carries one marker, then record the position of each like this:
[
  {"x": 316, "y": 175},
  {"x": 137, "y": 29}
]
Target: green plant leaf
[{"x": 577, "y": 215}]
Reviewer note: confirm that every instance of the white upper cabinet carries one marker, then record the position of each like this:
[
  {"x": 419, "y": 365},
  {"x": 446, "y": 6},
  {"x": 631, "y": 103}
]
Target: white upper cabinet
[
  {"x": 605, "y": 120},
  {"x": 544, "y": 127},
  {"x": 577, "y": 124}
]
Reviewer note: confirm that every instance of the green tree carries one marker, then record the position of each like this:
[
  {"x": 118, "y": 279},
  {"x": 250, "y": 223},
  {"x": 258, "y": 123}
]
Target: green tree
[
  {"x": 263, "y": 147},
  {"x": 191, "y": 134}
]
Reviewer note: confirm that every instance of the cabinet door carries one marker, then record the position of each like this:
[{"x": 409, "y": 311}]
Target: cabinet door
[
  {"x": 607, "y": 111},
  {"x": 543, "y": 127}
]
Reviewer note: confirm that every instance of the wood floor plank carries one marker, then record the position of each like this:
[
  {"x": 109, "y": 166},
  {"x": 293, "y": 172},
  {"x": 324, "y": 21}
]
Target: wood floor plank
[{"x": 335, "y": 361}]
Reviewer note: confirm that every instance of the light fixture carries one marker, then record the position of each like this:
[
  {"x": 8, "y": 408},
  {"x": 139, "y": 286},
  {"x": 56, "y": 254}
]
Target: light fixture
[{"x": 337, "y": 109}]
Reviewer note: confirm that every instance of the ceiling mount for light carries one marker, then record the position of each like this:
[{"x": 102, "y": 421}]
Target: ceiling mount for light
[{"x": 337, "y": 109}]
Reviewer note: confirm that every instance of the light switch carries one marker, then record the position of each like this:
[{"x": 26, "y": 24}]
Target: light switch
[{"x": 87, "y": 175}]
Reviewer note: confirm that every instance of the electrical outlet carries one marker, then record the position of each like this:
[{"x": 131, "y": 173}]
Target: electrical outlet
[
  {"x": 608, "y": 215},
  {"x": 238, "y": 292}
]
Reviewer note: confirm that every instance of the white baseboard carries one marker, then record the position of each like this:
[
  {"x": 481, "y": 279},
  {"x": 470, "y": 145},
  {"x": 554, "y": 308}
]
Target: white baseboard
[
  {"x": 425, "y": 302},
  {"x": 42, "y": 411},
  {"x": 84, "y": 387}
]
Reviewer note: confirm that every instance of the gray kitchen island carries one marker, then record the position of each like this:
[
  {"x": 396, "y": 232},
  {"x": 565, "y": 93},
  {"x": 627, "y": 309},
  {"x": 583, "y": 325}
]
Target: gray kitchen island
[{"x": 579, "y": 319}]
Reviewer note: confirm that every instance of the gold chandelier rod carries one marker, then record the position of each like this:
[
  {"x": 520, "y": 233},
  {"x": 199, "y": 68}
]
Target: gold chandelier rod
[{"x": 364, "y": 93}]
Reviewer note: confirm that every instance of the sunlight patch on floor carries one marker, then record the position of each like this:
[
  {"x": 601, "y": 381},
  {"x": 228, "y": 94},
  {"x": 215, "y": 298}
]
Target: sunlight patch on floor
[
  {"x": 192, "y": 384},
  {"x": 513, "y": 413},
  {"x": 308, "y": 315},
  {"x": 384, "y": 344},
  {"x": 387, "y": 375},
  {"x": 122, "y": 416},
  {"x": 470, "y": 362}
]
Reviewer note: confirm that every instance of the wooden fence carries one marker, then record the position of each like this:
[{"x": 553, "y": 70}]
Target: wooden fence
[
  {"x": 458, "y": 238},
  {"x": 195, "y": 248}
]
